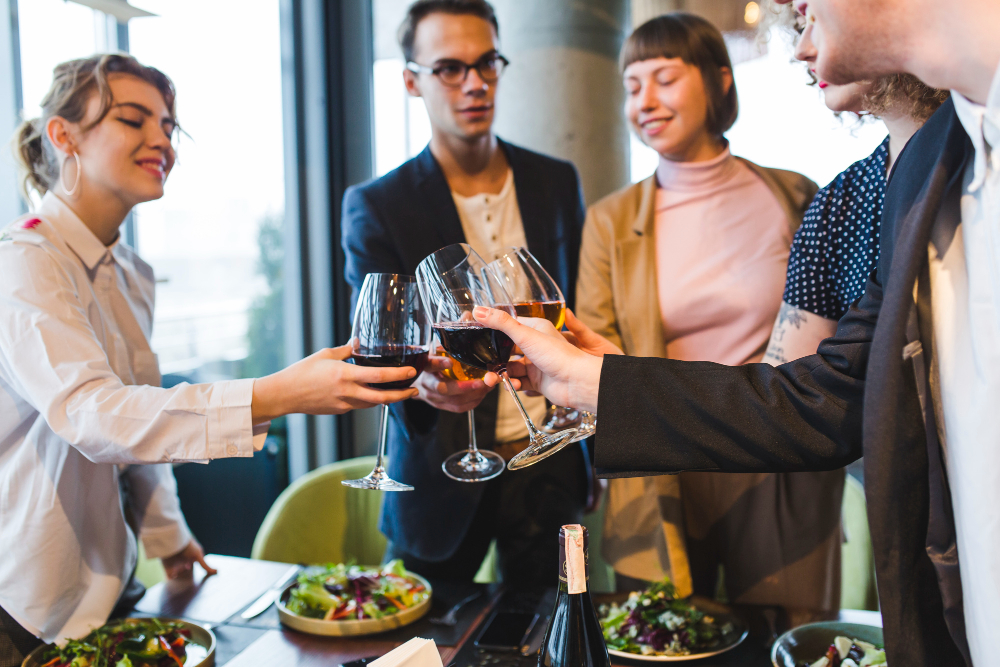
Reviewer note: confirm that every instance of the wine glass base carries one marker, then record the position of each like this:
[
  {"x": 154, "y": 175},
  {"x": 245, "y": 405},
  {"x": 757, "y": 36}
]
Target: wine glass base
[
  {"x": 559, "y": 419},
  {"x": 377, "y": 480},
  {"x": 476, "y": 466},
  {"x": 541, "y": 448},
  {"x": 584, "y": 431}
]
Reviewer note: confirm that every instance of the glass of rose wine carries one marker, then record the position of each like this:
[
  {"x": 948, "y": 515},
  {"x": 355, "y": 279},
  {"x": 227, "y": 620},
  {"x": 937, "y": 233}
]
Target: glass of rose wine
[
  {"x": 536, "y": 294},
  {"x": 391, "y": 328},
  {"x": 453, "y": 281}
]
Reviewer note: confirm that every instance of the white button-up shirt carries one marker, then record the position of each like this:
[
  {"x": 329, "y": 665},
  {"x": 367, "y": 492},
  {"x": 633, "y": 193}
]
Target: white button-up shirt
[
  {"x": 965, "y": 299},
  {"x": 79, "y": 401},
  {"x": 491, "y": 224}
]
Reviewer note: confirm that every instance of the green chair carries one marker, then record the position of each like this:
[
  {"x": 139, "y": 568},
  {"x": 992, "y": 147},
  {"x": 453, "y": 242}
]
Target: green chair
[
  {"x": 319, "y": 520},
  {"x": 857, "y": 581}
]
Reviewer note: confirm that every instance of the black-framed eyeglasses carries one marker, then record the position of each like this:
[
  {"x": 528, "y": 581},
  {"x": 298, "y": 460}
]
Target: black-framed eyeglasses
[{"x": 455, "y": 72}]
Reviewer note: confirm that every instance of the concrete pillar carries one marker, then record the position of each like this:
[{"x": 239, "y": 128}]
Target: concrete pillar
[{"x": 562, "y": 94}]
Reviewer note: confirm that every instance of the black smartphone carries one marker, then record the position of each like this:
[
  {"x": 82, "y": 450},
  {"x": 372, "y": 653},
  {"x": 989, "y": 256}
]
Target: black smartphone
[
  {"x": 362, "y": 662},
  {"x": 506, "y": 631}
]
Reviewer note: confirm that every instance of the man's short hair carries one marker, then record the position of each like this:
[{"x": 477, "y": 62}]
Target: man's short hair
[{"x": 421, "y": 9}]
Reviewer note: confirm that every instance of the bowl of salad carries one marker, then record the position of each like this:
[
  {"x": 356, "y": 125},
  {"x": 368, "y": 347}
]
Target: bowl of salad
[
  {"x": 345, "y": 599},
  {"x": 656, "y": 625},
  {"x": 830, "y": 644},
  {"x": 132, "y": 642}
]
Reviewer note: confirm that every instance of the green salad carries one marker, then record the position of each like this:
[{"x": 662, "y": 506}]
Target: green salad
[
  {"x": 142, "y": 642},
  {"x": 345, "y": 591},
  {"x": 657, "y": 622}
]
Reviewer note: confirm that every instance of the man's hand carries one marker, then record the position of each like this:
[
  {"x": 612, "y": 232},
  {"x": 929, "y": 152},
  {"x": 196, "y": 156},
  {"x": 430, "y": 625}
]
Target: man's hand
[
  {"x": 552, "y": 366},
  {"x": 182, "y": 563},
  {"x": 447, "y": 394}
]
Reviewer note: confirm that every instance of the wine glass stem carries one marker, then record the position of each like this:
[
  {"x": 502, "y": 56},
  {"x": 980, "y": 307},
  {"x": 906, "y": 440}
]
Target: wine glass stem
[
  {"x": 532, "y": 431},
  {"x": 383, "y": 435},
  {"x": 472, "y": 433}
]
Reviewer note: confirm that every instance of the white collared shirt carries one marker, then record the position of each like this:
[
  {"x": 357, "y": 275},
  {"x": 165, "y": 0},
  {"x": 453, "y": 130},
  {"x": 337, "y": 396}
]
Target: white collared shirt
[
  {"x": 492, "y": 223},
  {"x": 965, "y": 299},
  {"x": 79, "y": 401}
]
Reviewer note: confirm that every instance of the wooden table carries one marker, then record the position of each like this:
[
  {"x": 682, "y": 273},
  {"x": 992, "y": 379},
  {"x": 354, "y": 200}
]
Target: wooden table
[{"x": 218, "y": 600}]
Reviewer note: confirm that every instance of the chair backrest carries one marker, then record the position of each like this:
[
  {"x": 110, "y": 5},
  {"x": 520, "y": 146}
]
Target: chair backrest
[
  {"x": 319, "y": 520},
  {"x": 857, "y": 565}
]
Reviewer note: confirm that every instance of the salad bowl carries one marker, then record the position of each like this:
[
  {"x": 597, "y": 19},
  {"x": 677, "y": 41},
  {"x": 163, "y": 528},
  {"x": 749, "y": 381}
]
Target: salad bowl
[
  {"x": 200, "y": 647},
  {"x": 351, "y": 625}
]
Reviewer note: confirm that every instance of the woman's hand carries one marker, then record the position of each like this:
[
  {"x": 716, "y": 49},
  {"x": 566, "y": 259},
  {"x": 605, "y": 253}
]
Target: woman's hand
[
  {"x": 447, "y": 394},
  {"x": 552, "y": 366},
  {"x": 324, "y": 384},
  {"x": 586, "y": 339},
  {"x": 182, "y": 562}
]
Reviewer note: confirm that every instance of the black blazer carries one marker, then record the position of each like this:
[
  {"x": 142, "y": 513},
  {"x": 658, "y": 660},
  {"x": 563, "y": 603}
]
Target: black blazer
[
  {"x": 858, "y": 395},
  {"x": 389, "y": 225}
]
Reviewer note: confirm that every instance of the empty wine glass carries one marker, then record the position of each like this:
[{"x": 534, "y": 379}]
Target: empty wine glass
[
  {"x": 453, "y": 281},
  {"x": 391, "y": 328},
  {"x": 536, "y": 294}
]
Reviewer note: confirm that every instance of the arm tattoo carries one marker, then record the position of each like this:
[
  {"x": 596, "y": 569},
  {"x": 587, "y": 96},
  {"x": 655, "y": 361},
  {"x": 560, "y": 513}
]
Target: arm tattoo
[{"x": 788, "y": 316}]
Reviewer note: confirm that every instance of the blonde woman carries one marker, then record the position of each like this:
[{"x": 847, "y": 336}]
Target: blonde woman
[
  {"x": 81, "y": 410},
  {"x": 690, "y": 264}
]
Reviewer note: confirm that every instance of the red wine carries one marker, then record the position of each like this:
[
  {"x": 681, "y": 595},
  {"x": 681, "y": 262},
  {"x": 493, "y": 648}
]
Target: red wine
[
  {"x": 394, "y": 356},
  {"x": 473, "y": 344},
  {"x": 574, "y": 637}
]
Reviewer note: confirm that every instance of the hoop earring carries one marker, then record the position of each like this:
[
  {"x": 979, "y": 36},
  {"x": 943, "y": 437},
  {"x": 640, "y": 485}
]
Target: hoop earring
[{"x": 76, "y": 184}]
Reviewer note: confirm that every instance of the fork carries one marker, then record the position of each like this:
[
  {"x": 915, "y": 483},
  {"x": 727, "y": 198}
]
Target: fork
[{"x": 450, "y": 617}]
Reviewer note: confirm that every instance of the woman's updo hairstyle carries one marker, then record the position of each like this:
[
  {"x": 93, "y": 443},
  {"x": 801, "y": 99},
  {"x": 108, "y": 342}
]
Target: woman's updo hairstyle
[
  {"x": 696, "y": 42},
  {"x": 73, "y": 83}
]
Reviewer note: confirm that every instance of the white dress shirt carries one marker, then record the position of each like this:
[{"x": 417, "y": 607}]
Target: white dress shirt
[
  {"x": 965, "y": 300},
  {"x": 492, "y": 223},
  {"x": 79, "y": 401}
]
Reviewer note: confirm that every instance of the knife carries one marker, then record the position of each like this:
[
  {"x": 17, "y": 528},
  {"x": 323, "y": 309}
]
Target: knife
[{"x": 261, "y": 604}]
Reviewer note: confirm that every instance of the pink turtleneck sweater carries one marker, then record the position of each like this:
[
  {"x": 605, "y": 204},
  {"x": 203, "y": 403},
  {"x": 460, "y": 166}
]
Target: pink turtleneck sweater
[{"x": 722, "y": 243}]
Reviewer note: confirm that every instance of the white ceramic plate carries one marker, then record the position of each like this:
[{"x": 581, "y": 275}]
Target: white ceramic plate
[
  {"x": 733, "y": 640},
  {"x": 353, "y": 627},
  {"x": 202, "y": 636}
]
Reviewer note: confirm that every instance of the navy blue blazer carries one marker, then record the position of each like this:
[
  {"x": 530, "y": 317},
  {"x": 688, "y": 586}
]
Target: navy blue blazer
[{"x": 389, "y": 225}]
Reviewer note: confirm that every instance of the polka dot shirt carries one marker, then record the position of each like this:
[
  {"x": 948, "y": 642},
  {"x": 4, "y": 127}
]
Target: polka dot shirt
[{"x": 836, "y": 248}]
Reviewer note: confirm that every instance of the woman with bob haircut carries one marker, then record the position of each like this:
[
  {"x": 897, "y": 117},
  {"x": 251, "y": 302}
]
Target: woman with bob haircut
[
  {"x": 690, "y": 264},
  {"x": 82, "y": 413}
]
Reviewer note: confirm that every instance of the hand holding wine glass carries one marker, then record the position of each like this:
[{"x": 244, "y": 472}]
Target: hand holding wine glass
[
  {"x": 325, "y": 384},
  {"x": 562, "y": 372},
  {"x": 441, "y": 388},
  {"x": 391, "y": 329}
]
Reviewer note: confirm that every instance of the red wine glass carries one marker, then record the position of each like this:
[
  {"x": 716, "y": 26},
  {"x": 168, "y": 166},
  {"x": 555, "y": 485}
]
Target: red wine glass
[
  {"x": 453, "y": 281},
  {"x": 391, "y": 328}
]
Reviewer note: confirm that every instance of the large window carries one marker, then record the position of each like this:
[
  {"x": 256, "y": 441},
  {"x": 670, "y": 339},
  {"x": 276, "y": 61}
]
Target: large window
[{"x": 214, "y": 239}]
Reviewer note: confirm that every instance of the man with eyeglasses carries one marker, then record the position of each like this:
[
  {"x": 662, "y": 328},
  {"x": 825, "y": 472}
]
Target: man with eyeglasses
[{"x": 468, "y": 186}]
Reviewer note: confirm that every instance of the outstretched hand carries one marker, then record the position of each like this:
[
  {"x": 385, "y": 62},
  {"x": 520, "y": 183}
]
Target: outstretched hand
[
  {"x": 324, "y": 384},
  {"x": 553, "y": 366}
]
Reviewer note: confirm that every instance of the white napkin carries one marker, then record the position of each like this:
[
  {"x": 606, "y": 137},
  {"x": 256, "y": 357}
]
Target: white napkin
[{"x": 415, "y": 653}]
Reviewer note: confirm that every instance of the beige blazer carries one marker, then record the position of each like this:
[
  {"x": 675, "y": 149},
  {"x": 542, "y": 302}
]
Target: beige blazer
[{"x": 646, "y": 526}]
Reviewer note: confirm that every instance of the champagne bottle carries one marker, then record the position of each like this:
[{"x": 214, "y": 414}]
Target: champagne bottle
[{"x": 574, "y": 637}]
